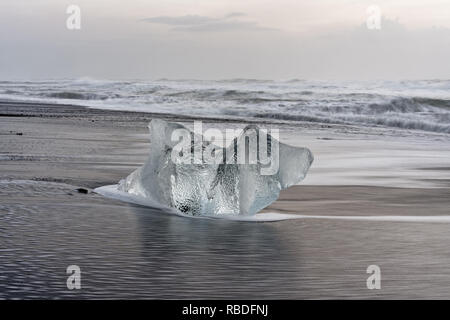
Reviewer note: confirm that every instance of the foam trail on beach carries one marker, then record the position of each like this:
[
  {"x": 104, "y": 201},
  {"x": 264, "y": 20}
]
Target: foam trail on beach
[
  {"x": 112, "y": 192},
  {"x": 440, "y": 219}
]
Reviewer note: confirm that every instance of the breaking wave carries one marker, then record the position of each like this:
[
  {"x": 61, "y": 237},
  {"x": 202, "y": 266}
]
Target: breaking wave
[
  {"x": 413, "y": 105},
  {"x": 405, "y": 113},
  {"x": 76, "y": 95}
]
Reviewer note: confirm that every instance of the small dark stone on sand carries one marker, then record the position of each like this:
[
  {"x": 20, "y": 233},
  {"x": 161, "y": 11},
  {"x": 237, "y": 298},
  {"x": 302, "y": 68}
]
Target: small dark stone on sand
[{"x": 83, "y": 190}]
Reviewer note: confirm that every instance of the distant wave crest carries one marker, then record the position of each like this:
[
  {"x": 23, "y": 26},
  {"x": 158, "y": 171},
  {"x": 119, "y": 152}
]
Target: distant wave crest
[
  {"x": 75, "y": 95},
  {"x": 416, "y": 105},
  {"x": 405, "y": 113}
]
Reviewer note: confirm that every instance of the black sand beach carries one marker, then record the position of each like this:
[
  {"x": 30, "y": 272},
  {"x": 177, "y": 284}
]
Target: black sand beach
[{"x": 47, "y": 152}]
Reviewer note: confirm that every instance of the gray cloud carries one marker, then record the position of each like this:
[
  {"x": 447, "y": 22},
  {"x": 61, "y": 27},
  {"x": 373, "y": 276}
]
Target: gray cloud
[
  {"x": 187, "y": 20},
  {"x": 225, "y": 26},
  {"x": 198, "y": 23}
]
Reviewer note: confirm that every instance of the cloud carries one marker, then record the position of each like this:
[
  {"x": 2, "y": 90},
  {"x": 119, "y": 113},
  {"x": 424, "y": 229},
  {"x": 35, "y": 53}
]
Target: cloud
[
  {"x": 225, "y": 26},
  {"x": 197, "y": 23},
  {"x": 187, "y": 20}
]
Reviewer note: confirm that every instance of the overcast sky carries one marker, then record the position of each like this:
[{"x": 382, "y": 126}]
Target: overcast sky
[{"x": 217, "y": 39}]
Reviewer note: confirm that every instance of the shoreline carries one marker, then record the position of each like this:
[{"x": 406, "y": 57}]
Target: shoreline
[
  {"x": 97, "y": 147},
  {"x": 18, "y": 109}
]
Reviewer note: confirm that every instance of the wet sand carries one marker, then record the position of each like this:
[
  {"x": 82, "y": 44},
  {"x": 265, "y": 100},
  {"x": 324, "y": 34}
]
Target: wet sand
[{"x": 46, "y": 152}]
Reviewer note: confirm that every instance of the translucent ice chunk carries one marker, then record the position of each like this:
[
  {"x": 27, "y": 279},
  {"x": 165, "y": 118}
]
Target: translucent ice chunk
[{"x": 244, "y": 178}]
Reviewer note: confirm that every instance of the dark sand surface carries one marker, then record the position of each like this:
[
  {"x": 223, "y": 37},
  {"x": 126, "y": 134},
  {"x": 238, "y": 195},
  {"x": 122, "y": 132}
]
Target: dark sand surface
[{"x": 128, "y": 251}]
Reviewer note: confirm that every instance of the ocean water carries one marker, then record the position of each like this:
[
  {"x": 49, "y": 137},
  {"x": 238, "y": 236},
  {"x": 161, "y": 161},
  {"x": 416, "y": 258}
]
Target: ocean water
[{"x": 412, "y": 105}]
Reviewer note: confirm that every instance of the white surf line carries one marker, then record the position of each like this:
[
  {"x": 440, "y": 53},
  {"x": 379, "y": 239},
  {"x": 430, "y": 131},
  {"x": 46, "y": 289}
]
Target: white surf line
[
  {"x": 443, "y": 218},
  {"x": 112, "y": 192}
]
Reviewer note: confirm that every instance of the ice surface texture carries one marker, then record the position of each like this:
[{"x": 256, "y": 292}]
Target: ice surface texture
[{"x": 224, "y": 187}]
